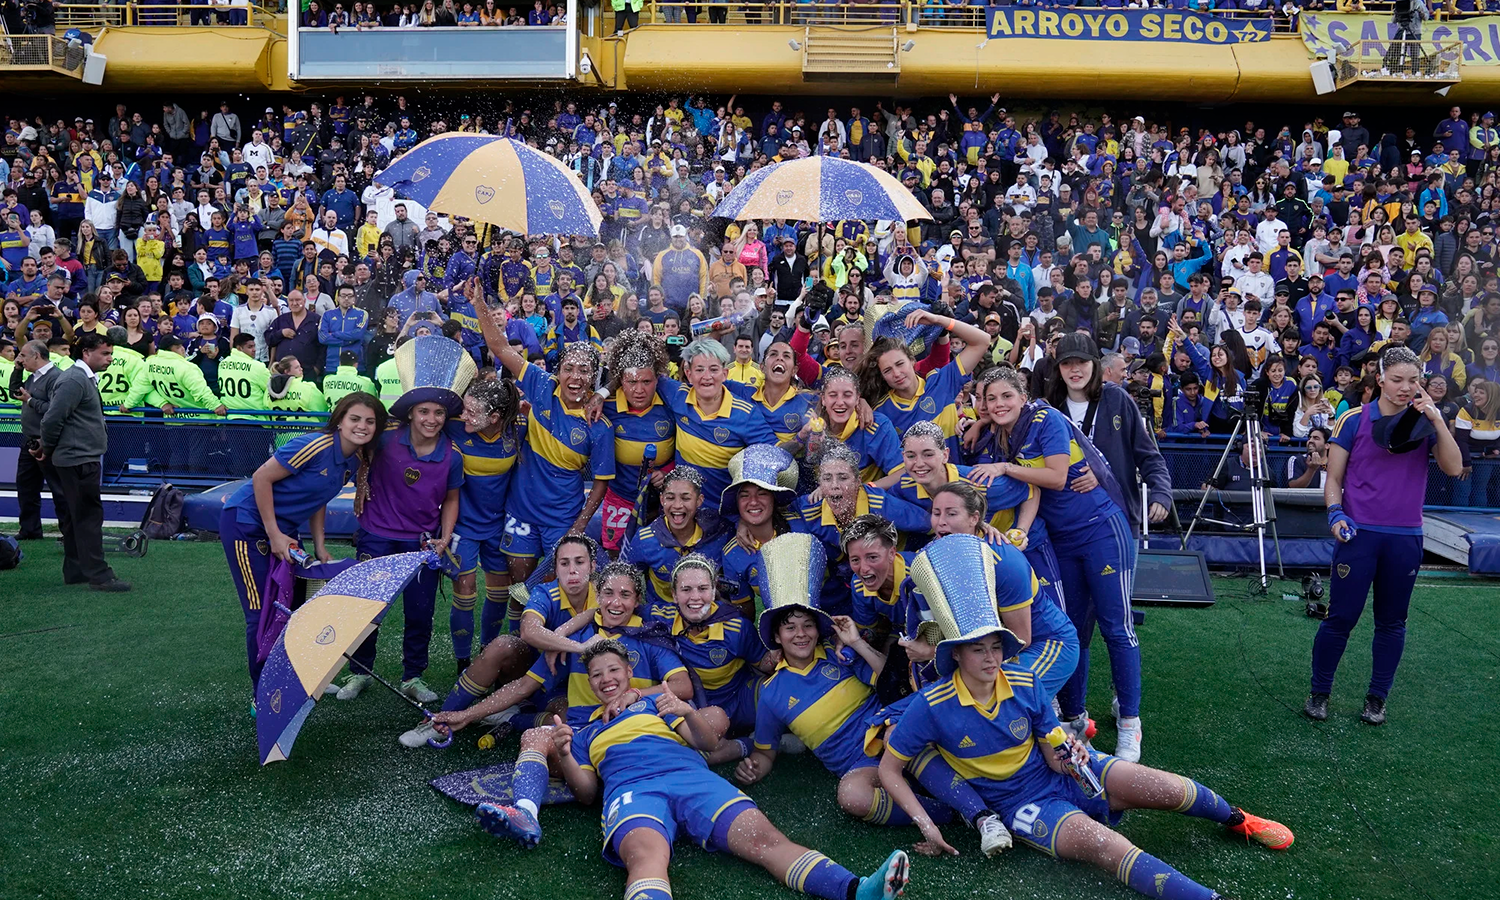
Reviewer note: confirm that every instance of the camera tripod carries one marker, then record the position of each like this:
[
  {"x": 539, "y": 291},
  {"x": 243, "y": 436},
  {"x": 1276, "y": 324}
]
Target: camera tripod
[{"x": 1262, "y": 504}]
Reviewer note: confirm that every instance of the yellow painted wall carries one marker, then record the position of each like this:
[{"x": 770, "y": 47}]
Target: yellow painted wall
[{"x": 732, "y": 59}]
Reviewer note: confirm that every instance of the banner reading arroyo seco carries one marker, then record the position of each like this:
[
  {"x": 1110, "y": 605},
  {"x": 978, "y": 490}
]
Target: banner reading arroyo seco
[
  {"x": 1177, "y": 26},
  {"x": 1325, "y": 33}
]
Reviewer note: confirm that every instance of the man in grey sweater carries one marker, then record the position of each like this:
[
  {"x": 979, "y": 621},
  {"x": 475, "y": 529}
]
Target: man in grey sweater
[{"x": 71, "y": 445}]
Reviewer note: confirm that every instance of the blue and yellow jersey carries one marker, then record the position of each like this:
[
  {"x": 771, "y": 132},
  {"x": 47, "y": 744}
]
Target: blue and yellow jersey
[
  {"x": 826, "y": 705},
  {"x": 997, "y": 747},
  {"x": 550, "y": 605},
  {"x": 636, "y": 747},
  {"x": 819, "y": 520},
  {"x": 633, "y": 431},
  {"x": 543, "y": 279},
  {"x": 650, "y": 662},
  {"x": 737, "y": 578},
  {"x": 723, "y": 655},
  {"x": 787, "y": 417},
  {"x": 560, "y": 447},
  {"x": 1065, "y": 511},
  {"x": 488, "y": 465},
  {"x": 1001, "y": 496},
  {"x": 936, "y": 400},
  {"x": 871, "y": 605},
  {"x": 655, "y": 549},
  {"x": 877, "y": 443},
  {"x": 708, "y": 441},
  {"x": 318, "y": 470},
  {"x": 1278, "y": 400}
]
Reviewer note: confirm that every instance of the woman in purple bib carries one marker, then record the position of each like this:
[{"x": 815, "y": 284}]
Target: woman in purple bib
[
  {"x": 413, "y": 497},
  {"x": 1375, "y": 486}
]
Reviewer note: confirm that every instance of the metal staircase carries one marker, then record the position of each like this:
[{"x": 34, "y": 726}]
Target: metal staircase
[{"x": 835, "y": 54}]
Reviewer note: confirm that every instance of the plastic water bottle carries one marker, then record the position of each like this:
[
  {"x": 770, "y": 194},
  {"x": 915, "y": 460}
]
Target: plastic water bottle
[{"x": 733, "y": 320}]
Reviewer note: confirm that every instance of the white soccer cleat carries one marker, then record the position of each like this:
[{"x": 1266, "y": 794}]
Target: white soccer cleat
[
  {"x": 419, "y": 736},
  {"x": 1114, "y": 707},
  {"x": 993, "y": 835},
  {"x": 418, "y": 690},
  {"x": 353, "y": 686},
  {"x": 1128, "y": 742}
]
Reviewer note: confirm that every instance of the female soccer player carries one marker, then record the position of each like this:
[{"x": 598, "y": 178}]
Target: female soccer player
[
  {"x": 760, "y": 495},
  {"x": 620, "y": 590},
  {"x": 1090, "y": 536},
  {"x": 1375, "y": 486},
  {"x": 713, "y": 421},
  {"x": 486, "y": 435},
  {"x": 679, "y": 530},
  {"x": 783, "y": 403},
  {"x": 925, "y": 455},
  {"x": 889, "y": 380},
  {"x": 1048, "y": 638},
  {"x": 648, "y": 761},
  {"x": 869, "y": 434},
  {"x": 554, "y": 611},
  {"x": 413, "y": 505},
  {"x": 722, "y": 651},
  {"x": 260, "y": 518},
  {"x": 639, "y": 420},
  {"x": 843, "y": 498},
  {"x": 560, "y": 449},
  {"x": 989, "y": 719}
]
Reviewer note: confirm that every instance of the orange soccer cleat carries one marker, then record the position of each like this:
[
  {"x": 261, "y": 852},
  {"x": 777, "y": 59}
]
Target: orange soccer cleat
[{"x": 1271, "y": 834}]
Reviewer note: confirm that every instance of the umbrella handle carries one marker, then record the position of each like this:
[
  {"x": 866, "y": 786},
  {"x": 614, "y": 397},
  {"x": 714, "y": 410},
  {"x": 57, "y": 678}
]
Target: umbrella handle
[{"x": 445, "y": 730}]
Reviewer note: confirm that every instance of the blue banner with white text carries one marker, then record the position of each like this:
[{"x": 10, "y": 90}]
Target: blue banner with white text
[{"x": 1173, "y": 26}]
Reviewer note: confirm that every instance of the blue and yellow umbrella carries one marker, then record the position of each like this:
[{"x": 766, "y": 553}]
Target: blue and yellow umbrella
[
  {"x": 494, "y": 179},
  {"x": 821, "y": 189},
  {"x": 318, "y": 638}
]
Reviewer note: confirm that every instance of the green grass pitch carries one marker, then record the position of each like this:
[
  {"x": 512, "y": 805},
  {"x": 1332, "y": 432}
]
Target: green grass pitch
[{"x": 128, "y": 764}]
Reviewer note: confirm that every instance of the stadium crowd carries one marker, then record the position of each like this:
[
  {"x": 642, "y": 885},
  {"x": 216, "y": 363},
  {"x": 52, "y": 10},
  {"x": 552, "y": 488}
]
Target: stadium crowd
[
  {"x": 1275, "y": 258},
  {"x": 893, "y": 402}
]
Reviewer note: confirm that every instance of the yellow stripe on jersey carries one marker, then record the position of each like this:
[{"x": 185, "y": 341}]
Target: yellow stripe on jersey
[
  {"x": 623, "y": 732},
  {"x": 1344, "y": 418},
  {"x": 718, "y": 676},
  {"x": 550, "y": 448},
  {"x": 699, "y": 452},
  {"x": 820, "y": 720},
  {"x": 488, "y": 465},
  {"x": 313, "y": 448}
]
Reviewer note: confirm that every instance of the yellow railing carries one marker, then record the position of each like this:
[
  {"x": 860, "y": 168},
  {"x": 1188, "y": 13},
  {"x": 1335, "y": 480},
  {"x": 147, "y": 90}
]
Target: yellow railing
[
  {"x": 91, "y": 17},
  {"x": 39, "y": 51}
]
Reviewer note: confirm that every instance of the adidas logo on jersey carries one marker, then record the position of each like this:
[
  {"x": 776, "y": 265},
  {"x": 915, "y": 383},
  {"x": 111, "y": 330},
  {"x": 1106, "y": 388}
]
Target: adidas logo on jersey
[
  {"x": 1108, "y": 570},
  {"x": 1161, "y": 880},
  {"x": 966, "y": 743},
  {"x": 791, "y": 702}
]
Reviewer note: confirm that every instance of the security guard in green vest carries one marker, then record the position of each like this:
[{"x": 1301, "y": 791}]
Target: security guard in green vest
[
  {"x": 389, "y": 381},
  {"x": 180, "y": 384},
  {"x": 346, "y": 380},
  {"x": 242, "y": 383},
  {"x": 289, "y": 393},
  {"x": 125, "y": 385}
]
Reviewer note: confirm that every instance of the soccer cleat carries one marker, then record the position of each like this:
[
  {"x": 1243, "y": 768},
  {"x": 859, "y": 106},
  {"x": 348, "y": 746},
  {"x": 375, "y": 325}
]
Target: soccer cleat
[
  {"x": 889, "y": 881},
  {"x": 501, "y": 717},
  {"x": 1374, "y": 711},
  {"x": 1263, "y": 831},
  {"x": 459, "y": 665},
  {"x": 1128, "y": 740},
  {"x": 993, "y": 835},
  {"x": 510, "y": 822},
  {"x": 1114, "y": 707},
  {"x": 253, "y": 711},
  {"x": 1316, "y": 707},
  {"x": 418, "y": 736},
  {"x": 353, "y": 686},
  {"x": 1082, "y": 727},
  {"x": 418, "y": 690},
  {"x": 791, "y": 745}
]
